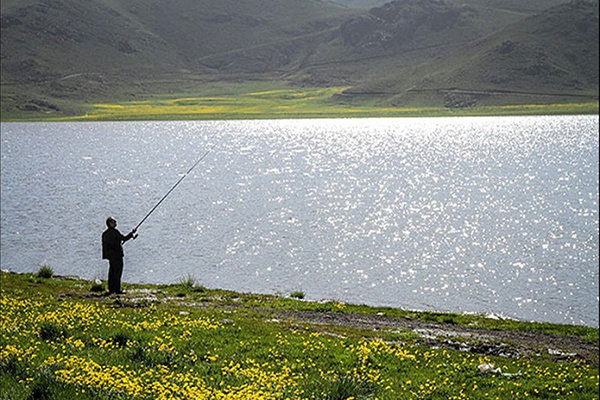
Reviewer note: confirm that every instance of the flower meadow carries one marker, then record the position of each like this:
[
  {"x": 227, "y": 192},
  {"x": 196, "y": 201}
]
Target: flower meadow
[
  {"x": 59, "y": 344},
  {"x": 256, "y": 100}
]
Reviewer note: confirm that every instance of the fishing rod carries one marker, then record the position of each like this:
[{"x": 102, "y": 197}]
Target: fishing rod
[{"x": 175, "y": 185}]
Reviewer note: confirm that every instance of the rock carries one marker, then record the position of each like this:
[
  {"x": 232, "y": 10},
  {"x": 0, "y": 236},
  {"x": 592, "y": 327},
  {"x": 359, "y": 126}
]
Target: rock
[
  {"x": 44, "y": 104},
  {"x": 488, "y": 369},
  {"x": 459, "y": 100},
  {"x": 28, "y": 107}
]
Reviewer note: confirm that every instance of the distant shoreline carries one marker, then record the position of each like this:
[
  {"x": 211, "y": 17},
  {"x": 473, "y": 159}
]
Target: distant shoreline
[{"x": 172, "y": 110}]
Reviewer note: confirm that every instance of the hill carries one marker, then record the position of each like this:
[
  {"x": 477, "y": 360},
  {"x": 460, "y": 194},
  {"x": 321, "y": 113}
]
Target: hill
[
  {"x": 60, "y": 55},
  {"x": 60, "y": 50},
  {"x": 548, "y": 57},
  {"x": 381, "y": 41},
  {"x": 58, "y": 37}
]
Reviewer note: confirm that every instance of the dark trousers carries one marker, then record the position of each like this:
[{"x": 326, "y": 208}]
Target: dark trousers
[{"x": 115, "y": 270}]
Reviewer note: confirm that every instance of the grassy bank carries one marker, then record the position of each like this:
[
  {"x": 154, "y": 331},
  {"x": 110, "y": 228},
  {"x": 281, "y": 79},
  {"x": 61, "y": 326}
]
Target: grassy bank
[
  {"x": 61, "y": 340},
  {"x": 257, "y": 101}
]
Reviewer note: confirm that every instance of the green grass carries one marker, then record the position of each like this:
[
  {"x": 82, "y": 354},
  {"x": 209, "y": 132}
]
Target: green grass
[
  {"x": 276, "y": 100},
  {"x": 297, "y": 103},
  {"x": 57, "y": 341}
]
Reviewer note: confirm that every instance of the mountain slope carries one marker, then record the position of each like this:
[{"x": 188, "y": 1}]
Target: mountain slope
[
  {"x": 59, "y": 53},
  {"x": 54, "y": 37},
  {"x": 552, "y": 56},
  {"x": 378, "y": 42},
  {"x": 112, "y": 49},
  {"x": 391, "y": 38}
]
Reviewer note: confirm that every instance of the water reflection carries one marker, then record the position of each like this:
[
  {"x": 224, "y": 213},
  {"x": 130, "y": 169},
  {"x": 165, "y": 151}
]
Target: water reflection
[{"x": 459, "y": 214}]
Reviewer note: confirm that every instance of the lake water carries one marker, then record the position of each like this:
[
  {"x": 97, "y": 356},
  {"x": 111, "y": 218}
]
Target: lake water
[{"x": 484, "y": 215}]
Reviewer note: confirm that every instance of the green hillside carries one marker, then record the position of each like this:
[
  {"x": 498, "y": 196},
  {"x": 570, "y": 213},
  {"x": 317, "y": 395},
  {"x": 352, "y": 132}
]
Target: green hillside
[
  {"x": 63, "y": 53},
  {"x": 53, "y": 38},
  {"x": 526, "y": 62},
  {"x": 59, "y": 57}
]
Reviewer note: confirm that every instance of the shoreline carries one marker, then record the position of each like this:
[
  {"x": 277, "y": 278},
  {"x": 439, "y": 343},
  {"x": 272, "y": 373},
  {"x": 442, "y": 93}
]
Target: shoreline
[
  {"x": 495, "y": 320},
  {"x": 201, "y": 112},
  {"x": 295, "y": 302}
]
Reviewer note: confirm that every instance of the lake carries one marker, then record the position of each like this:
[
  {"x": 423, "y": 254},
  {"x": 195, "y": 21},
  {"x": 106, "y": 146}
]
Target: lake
[{"x": 491, "y": 215}]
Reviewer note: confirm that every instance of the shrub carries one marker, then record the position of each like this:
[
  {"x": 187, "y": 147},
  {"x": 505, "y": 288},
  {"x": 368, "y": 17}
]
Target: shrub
[
  {"x": 448, "y": 320},
  {"x": 52, "y": 331},
  {"x": 137, "y": 352},
  {"x": 120, "y": 339},
  {"x": 189, "y": 282},
  {"x": 43, "y": 385},
  {"x": 12, "y": 365},
  {"x": 45, "y": 272},
  {"x": 297, "y": 294},
  {"x": 97, "y": 287}
]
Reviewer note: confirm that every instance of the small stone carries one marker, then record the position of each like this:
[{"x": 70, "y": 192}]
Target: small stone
[{"x": 488, "y": 369}]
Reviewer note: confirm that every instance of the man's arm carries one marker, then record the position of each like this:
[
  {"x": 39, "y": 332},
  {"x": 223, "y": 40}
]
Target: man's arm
[{"x": 130, "y": 235}]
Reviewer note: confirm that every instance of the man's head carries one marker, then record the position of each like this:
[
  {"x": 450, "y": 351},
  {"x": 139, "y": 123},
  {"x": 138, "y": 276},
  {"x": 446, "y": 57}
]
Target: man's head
[{"x": 111, "y": 222}]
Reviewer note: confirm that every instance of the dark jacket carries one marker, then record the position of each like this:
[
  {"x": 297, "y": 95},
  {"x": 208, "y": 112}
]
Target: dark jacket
[{"x": 112, "y": 241}]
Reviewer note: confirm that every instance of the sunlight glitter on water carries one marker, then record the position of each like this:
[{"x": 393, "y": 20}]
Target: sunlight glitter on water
[{"x": 455, "y": 214}]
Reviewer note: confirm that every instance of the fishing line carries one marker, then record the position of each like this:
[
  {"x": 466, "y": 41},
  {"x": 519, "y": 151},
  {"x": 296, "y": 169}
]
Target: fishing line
[{"x": 176, "y": 184}]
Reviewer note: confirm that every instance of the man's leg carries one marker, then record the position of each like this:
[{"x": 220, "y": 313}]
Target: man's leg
[{"x": 115, "y": 271}]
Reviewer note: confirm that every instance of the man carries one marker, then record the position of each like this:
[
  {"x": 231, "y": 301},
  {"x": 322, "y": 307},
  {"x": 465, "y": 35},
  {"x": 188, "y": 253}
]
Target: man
[{"x": 112, "y": 250}]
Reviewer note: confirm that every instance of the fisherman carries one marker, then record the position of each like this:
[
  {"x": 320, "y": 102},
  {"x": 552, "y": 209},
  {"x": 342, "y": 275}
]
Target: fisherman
[{"x": 112, "y": 250}]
